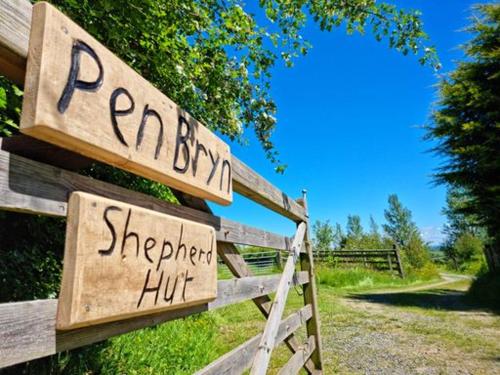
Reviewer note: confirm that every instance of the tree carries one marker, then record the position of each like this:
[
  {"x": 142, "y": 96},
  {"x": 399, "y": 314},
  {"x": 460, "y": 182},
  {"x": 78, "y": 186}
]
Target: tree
[
  {"x": 465, "y": 124},
  {"x": 404, "y": 232},
  {"x": 354, "y": 228},
  {"x": 373, "y": 227},
  {"x": 400, "y": 226},
  {"x": 214, "y": 58},
  {"x": 459, "y": 222},
  {"x": 323, "y": 236},
  {"x": 340, "y": 238},
  {"x": 464, "y": 236}
]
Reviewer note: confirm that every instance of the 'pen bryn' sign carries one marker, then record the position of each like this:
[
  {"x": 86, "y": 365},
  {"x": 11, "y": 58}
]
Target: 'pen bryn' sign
[
  {"x": 122, "y": 261},
  {"x": 80, "y": 96}
]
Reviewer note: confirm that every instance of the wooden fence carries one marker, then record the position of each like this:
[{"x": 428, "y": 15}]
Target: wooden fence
[
  {"x": 262, "y": 262},
  {"x": 385, "y": 259},
  {"x": 38, "y": 178},
  {"x": 381, "y": 259}
]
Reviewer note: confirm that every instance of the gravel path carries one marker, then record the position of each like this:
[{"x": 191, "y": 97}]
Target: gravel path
[{"x": 424, "y": 330}]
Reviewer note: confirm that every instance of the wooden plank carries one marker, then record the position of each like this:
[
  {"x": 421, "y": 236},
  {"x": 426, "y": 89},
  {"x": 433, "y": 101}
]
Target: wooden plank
[
  {"x": 399, "y": 262},
  {"x": 121, "y": 261},
  {"x": 80, "y": 96},
  {"x": 298, "y": 360},
  {"x": 237, "y": 265},
  {"x": 238, "y": 290},
  {"x": 27, "y": 329},
  {"x": 253, "y": 186},
  {"x": 310, "y": 294},
  {"x": 240, "y": 359},
  {"x": 246, "y": 181},
  {"x": 36, "y": 188},
  {"x": 15, "y": 21},
  {"x": 266, "y": 345},
  {"x": 235, "y": 232}
]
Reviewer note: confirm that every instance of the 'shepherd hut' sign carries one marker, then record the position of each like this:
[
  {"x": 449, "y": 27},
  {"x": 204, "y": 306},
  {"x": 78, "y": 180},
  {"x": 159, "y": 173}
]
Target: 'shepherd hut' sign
[
  {"x": 122, "y": 260},
  {"x": 82, "y": 97}
]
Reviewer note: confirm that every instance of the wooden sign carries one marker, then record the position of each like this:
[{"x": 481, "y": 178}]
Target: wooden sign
[
  {"x": 122, "y": 260},
  {"x": 80, "y": 96}
]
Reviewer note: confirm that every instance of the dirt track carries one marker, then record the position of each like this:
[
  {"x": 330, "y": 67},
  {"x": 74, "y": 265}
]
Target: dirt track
[{"x": 429, "y": 329}]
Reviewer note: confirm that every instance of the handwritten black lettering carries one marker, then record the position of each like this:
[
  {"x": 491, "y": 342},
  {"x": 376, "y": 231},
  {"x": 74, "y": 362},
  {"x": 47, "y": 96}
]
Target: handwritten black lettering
[
  {"x": 199, "y": 147},
  {"x": 181, "y": 144},
  {"x": 164, "y": 256},
  {"x": 111, "y": 228},
  {"x": 186, "y": 280},
  {"x": 73, "y": 83},
  {"x": 119, "y": 112},
  {"x": 225, "y": 164},
  {"x": 192, "y": 254},
  {"x": 181, "y": 245},
  {"x": 210, "y": 252},
  {"x": 147, "y": 289},
  {"x": 126, "y": 235},
  {"x": 215, "y": 164},
  {"x": 148, "y": 245},
  {"x": 140, "y": 133},
  {"x": 170, "y": 299}
]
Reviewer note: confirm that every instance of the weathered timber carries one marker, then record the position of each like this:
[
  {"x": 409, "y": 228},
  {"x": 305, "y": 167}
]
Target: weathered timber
[
  {"x": 15, "y": 21},
  {"x": 296, "y": 362},
  {"x": 266, "y": 345},
  {"x": 27, "y": 329},
  {"x": 399, "y": 262},
  {"x": 253, "y": 186},
  {"x": 245, "y": 181},
  {"x": 237, "y": 265},
  {"x": 80, "y": 96},
  {"x": 240, "y": 359},
  {"x": 309, "y": 292},
  {"x": 122, "y": 260},
  {"x": 37, "y": 188}
]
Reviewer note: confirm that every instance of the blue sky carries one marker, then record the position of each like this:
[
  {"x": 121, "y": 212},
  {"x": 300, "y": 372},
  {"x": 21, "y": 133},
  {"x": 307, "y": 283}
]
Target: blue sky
[{"x": 349, "y": 118}]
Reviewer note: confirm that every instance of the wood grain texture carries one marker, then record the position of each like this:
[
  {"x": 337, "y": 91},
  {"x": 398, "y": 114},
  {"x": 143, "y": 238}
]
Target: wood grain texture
[
  {"x": 240, "y": 359},
  {"x": 15, "y": 21},
  {"x": 80, "y": 96},
  {"x": 253, "y": 186},
  {"x": 37, "y": 188},
  {"x": 27, "y": 329},
  {"x": 242, "y": 289},
  {"x": 267, "y": 342},
  {"x": 121, "y": 261},
  {"x": 310, "y": 295},
  {"x": 237, "y": 265},
  {"x": 245, "y": 181},
  {"x": 298, "y": 360}
]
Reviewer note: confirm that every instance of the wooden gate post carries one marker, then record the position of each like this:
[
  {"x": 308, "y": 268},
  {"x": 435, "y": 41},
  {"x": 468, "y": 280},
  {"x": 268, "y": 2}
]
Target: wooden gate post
[
  {"x": 309, "y": 290},
  {"x": 398, "y": 260},
  {"x": 278, "y": 259}
]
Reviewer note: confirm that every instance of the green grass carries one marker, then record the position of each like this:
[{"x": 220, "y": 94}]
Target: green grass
[
  {"x": 186, "y": 345},
  {"x": 361, "y": 279}
]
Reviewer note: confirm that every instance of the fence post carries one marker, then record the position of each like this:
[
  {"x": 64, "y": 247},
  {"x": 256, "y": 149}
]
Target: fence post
[
  {"x": 309, "y": 290},
  {"x": 389, "y": 261},
  {"x": 278, "y": 259},
  {"x": 398, "y": 260}
]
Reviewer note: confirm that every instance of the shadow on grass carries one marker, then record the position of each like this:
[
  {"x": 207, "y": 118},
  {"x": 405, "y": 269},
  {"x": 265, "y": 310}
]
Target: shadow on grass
[{"x": 438, "y": 299}]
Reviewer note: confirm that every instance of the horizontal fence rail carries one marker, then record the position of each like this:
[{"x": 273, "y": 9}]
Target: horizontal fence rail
[
  {"x": 28, "y": 328},
  {"x": 38, "y": 178},
  {"x": 384, "y": 259}
]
